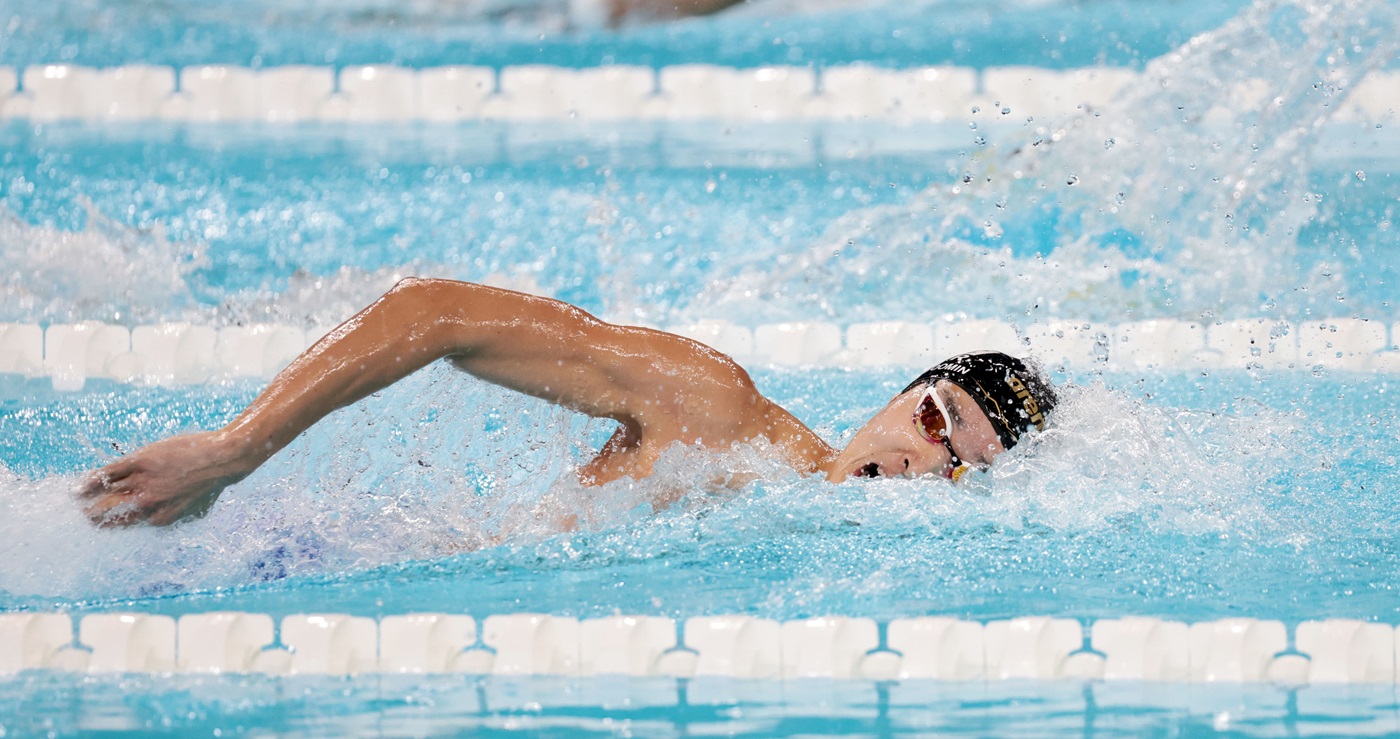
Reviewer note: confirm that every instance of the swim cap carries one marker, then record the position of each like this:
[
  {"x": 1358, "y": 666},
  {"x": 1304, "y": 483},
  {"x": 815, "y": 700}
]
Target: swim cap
[{"x": 1014, "y": 395}]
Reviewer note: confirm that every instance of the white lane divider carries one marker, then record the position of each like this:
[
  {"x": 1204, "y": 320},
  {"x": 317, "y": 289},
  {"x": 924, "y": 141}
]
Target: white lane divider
[
  {"x": 207, "y": 93},
  {"x": 1033, "y": 649},
  {"x": 864, "y": 92},
  {"x": 532, "y": 644},
  {"x": 21, "y": 349},
  {"x": 424, "y": 642},
  {"x": 734, "y": 646},
  {"x": 831, "y": 647},
  {"x": 75, "y": 352},
  {"x": 30, "y": 641},
  {"x": 939, "y": 648},
  {"x": 182, "y": 354},
  {"x": 1236, "y": 650},
  {"x": 1143, "y": 648},
  {"x": 1344, "y": 651},
  {"x": 128, "y": 642},
  {"x": 328, "y": 644},
  {"x": 624, "y": 645},
  {"x": 226, "y": 641}
]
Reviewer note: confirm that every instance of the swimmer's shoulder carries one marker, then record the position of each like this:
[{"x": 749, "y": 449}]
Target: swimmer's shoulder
[
  {"x": 712, "y": 400},
  {"x": 801, "y": 446}
]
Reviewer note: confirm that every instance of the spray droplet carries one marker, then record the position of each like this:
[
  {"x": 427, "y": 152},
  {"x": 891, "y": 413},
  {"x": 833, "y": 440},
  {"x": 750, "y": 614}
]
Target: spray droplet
[
  {"x": 1108, "y": 143},
  {"x": 1361, "y": 175}
]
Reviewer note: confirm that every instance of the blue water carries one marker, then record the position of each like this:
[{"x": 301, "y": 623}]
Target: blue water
[
  {"x": 900, "y": 34},
  {"x": 653, "y": 224},
  {"x": 1187, "y": 495},
  {"x": 441, "y": 706},
  {"x": 1218, "y": 496}
]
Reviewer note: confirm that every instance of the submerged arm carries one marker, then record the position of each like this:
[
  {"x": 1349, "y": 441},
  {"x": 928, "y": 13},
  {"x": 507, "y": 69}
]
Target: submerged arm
[{"x": 537, "y": 346}]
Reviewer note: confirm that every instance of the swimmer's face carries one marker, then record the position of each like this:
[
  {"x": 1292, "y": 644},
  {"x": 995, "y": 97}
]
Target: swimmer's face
[{"x": 892, "y": 444}]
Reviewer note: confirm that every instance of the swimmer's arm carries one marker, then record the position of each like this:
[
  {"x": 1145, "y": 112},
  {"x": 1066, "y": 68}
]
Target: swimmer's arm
[{"x": 534, "y": 345}]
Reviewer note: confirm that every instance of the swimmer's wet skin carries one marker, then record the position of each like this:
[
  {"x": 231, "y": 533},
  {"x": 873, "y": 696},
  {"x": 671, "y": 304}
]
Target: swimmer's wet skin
[{"x": 661, "y": 389}]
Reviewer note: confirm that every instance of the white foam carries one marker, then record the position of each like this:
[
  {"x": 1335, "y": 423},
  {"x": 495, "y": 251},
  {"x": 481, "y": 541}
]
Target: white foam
[{"x": 107, "y": 272}]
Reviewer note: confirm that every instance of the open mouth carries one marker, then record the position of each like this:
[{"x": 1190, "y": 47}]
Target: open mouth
[{"x": 869, "y": 470}]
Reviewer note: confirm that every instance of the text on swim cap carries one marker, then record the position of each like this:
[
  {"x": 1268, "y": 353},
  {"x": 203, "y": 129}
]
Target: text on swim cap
[{"x": 1028, "y": 401}]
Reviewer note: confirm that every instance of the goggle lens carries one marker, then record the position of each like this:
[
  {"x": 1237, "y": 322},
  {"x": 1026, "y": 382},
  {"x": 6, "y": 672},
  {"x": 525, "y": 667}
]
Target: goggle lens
[{"x": 931, "y": 418}]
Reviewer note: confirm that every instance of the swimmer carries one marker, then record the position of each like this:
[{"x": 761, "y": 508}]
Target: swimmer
[{"x": 660, "y": 388}]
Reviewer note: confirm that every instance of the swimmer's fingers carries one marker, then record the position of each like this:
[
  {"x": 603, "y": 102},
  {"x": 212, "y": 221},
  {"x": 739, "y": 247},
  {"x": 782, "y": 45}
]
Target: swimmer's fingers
[
  {"x": 121, "y": 503},
  {"x": 116, "y": 509},
  {"x": 102, "y": 481}
]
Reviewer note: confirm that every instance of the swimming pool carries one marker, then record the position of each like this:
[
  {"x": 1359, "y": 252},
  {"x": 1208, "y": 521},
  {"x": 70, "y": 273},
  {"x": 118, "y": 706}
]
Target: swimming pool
[{"x": 1193, "y": 476}]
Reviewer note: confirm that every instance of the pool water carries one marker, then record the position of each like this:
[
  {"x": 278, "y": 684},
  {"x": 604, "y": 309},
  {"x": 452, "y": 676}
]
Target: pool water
[
  {"x": 1189, "y": 495},
  {"x": 439, "y": 706},
  {"x": 428, "y": 33},
  {"x": 1212, "y": 497}
]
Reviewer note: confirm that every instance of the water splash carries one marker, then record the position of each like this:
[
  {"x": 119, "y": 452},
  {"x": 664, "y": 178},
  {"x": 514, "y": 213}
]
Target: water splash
[
  {"x": 106, "y": 272},
  {"x": 1184, "y": 197},
  {"x": 442, "y": 465}
]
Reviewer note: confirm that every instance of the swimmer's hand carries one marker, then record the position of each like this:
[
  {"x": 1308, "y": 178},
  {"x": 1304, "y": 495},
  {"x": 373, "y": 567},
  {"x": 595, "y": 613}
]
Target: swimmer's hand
[{"x": 160, "y": 484}]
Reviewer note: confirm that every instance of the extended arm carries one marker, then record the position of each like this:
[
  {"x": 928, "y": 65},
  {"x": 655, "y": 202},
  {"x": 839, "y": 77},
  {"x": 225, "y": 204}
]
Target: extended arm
[{"x": 537, "y": 346}]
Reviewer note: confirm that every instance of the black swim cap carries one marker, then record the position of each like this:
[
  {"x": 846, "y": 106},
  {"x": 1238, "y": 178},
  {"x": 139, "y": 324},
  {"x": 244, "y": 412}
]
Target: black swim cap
[{"x": 1014, "y": 395}]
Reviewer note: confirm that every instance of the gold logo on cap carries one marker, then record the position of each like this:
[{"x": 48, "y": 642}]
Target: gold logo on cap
[{"x": 1028, "y": 402}]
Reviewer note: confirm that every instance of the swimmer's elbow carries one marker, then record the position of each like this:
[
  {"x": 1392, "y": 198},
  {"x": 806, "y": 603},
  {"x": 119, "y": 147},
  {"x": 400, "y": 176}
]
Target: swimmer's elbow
[
  {"x": 417, "y": 308},
  {"x": 415, "y": 288}
]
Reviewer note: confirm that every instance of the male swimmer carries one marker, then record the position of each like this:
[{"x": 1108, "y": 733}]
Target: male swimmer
[{"x": 662, "y": 389}]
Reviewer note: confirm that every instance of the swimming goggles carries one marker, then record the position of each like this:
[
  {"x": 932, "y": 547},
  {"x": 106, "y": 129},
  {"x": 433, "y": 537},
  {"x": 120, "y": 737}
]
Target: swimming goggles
[{"x": 932, "y": 420}]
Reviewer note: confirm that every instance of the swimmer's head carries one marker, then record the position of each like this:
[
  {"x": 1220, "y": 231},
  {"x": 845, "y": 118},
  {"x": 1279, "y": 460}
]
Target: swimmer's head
[
  {"x": 958, "y": 415},
  {"x": 1013, "y": 395}
]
